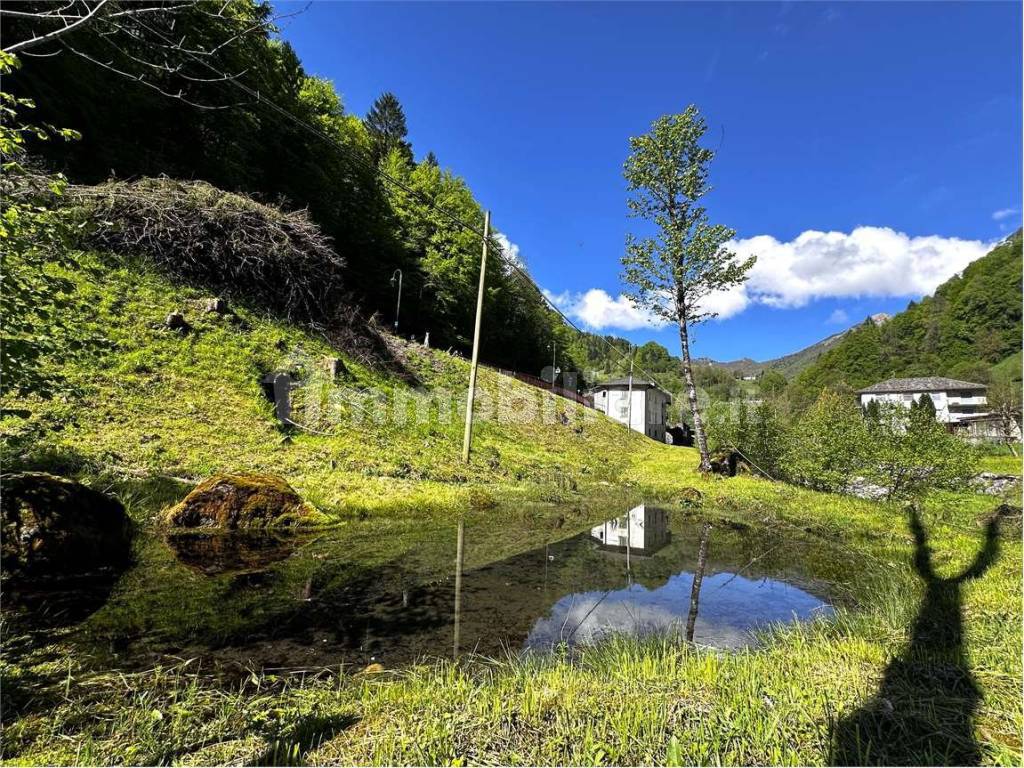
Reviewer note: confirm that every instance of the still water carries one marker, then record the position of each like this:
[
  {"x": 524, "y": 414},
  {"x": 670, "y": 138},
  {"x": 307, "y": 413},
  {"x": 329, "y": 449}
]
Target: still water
[{"x": 395, "y": 592}]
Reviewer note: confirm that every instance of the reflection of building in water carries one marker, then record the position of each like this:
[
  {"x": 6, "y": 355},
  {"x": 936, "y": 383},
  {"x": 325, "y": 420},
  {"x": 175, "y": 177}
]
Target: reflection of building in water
[{"x": 643, "y": 531}]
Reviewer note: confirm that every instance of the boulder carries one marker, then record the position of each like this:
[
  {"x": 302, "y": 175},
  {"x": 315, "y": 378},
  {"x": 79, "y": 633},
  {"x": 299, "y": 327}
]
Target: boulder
[
  {"x": 239, "y": 501},
  {"x": 690, "y": 497},
  {"x": 53, "y": 526},
  {"x": 175, "y": 321},
  {"x": 216, "y": 306}
]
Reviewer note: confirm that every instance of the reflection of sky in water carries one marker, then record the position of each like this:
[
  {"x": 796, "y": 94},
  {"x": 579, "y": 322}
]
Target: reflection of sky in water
[{"x": 730, "y": 606}]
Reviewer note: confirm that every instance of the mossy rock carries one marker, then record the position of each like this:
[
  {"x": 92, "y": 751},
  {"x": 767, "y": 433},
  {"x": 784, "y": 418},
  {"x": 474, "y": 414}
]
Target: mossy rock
[
  {"x": 228, "y": 502},
  {"x": 690, "y": 497},
  {"x": 53, "y": 526}
]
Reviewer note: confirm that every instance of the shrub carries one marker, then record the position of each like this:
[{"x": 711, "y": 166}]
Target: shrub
[
  {"x": 910, "y": 453},
  {"x": 828, "y": 445}
]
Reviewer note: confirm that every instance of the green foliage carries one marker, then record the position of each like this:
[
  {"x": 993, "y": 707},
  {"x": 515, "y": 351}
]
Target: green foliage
[
  {"x": 386, "y": 124},
  {"x": 911, "y": 453},
  {"x": 667, "y": 175},
  {"x": 972, "y": 323},
  {"x": 374, "y": 226},
  {"x": 771, "y": 383},
  {"x": 924, "y": 407},
  {"x": 759, "y": 433},
  {"x": 34, "y": 236},
  {"x": 828, "y": 444}
]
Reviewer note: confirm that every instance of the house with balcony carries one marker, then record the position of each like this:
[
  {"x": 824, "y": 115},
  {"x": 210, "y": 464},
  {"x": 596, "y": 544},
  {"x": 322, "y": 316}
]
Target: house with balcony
[
  {"x": 649, "y": 412},
  {"x": 955, "y": 401}
]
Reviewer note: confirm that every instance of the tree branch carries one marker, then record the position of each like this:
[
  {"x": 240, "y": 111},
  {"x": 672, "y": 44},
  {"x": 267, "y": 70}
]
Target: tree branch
[{"x": 40, "y": 39}]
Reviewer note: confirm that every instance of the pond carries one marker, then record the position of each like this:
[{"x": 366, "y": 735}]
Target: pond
[{"x": 391, "y": 592}]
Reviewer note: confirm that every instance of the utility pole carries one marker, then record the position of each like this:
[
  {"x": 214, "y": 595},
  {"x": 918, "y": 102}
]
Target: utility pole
[
  {"x": 467, "y": 438},
  {"x": 629, "y": 396},
  {"x": 398, "y": 303},
  {"x": 554, "y": 371}
]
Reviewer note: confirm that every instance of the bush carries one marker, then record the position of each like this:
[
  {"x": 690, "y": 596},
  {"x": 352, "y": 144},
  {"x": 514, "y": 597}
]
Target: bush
[
  {"x": 910, "y": 453},
  {"x": 829, "y": 444},
  {"x": 222, "y": 240}
]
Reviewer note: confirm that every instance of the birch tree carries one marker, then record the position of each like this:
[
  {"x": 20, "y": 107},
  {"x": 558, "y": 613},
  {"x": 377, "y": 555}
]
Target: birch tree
[{"x": 674, "y": 269}]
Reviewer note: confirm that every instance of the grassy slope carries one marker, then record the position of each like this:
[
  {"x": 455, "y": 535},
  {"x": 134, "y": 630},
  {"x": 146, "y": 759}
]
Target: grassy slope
[
  {"x": 156, "y": 402},
  {"x": 189, "y": 406}
]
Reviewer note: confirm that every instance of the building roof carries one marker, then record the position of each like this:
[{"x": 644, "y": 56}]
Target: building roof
[
  {"x": 623, "y": 383},
  {"x": 919, "y": 384}
]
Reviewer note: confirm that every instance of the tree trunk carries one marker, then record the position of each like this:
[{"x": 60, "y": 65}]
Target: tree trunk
[
  {"x": 698, "y": 577},
  {"x": 691, "y": 391}
]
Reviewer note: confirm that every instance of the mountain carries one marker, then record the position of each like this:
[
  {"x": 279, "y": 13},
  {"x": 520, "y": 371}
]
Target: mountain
[
  {"x": 788, "y": 365},
  {"x": 967, "y": 330}
]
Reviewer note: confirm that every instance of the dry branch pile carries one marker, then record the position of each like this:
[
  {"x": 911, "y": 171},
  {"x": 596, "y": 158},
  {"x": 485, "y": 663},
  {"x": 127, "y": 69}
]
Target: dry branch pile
[{"x": 219, "y": 239}]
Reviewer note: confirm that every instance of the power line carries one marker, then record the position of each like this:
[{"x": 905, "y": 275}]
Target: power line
[{"x": 285, "y": 114}]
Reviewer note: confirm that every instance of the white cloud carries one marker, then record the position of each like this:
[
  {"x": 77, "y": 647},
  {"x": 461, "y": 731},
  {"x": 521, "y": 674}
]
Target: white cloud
[
  {"x": 1004, "y": 213},
  {"x": 598, "y": 310},
  {"x": 511, "y": 250},
  {"x": 869, "y": 261},
  {"x": 838, "y": 317}
]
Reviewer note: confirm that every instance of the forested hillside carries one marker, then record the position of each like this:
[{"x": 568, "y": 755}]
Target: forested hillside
[
  {"x": 147, "y": 105},
  {"x": 967, "y": 330}
]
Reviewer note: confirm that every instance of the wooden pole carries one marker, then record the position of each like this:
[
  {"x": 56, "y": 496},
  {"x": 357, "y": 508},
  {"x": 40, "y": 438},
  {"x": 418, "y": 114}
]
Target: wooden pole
[
  {"x": 467, "y": 438},
  {"x": 629, "y": 392},
  {"x": 459, "y": 546}
]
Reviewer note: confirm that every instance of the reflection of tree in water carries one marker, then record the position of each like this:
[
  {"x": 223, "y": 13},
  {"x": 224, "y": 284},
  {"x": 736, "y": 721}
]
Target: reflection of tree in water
[
  {"x": 698, "y": 577},
  {"x": 924, "y": 709}
]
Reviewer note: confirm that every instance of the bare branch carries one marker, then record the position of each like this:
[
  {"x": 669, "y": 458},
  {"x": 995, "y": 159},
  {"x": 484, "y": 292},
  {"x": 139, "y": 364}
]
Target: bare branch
[
  {"x": 39, "y": 39},
  {"x": 180, "y": 95}
]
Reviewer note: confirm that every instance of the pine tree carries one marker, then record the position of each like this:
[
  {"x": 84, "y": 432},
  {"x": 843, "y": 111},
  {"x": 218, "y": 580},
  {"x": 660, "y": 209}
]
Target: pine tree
[
  {"x": 386, "y": 124},
  {"x": 431, "y": 159}
]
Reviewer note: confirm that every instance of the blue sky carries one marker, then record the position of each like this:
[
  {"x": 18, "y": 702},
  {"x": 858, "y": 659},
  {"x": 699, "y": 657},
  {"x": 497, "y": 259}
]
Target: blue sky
[{"x": 894, "y": 127}]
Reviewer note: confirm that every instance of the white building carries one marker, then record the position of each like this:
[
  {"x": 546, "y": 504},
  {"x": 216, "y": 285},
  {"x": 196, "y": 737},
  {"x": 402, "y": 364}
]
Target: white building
[
  {"x": 650, "y": 405},
  {"x": 954, "y": 400}
]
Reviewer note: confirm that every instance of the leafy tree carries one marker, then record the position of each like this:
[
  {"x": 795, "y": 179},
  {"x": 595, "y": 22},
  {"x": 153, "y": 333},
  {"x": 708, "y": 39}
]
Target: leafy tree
[
  {"x": 386, "y": 123},
  {"x": 431, "y": 159},
  {"x": 1004, "y": 400},
  {"x": 925, "y": 407},
  {"x": 873, "y": 410},
  {"x": 911, "y": 453},
  {"x": 771, "y": 383},
  {"x": 828, "y": 444},
  {"x": 673, "y": 271},
  {"x": 767, "y": 440}
]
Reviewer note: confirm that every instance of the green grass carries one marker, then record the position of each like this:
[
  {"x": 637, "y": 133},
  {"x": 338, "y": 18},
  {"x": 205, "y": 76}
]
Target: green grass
[
  {"x": 154, "y": 404},
  {"x": 623, "y": 702},
  {"x": 1001, "y": 463}
]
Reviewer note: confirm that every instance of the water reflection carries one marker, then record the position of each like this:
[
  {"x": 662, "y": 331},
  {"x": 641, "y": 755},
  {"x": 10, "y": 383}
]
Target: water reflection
[
  {"x": 733, "y": 605},
  {"x": 639, "y": 533},
  {"x": 478, "y": 587}
]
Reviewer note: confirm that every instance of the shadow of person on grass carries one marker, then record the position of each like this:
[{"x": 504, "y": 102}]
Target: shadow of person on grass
[{"x": 924, "y": 710}]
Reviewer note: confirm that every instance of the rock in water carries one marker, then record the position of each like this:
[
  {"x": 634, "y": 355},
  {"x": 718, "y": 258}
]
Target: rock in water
[
  {"x": 239, "y": 501},
  {"x": 53, "y": 526}
]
